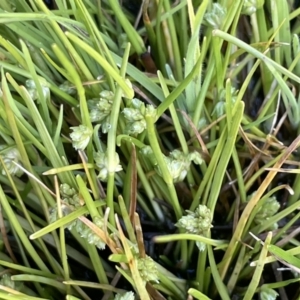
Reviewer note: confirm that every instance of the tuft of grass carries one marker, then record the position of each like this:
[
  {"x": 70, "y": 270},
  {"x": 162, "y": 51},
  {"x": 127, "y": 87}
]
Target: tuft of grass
[{"x": 149, "y": 149}]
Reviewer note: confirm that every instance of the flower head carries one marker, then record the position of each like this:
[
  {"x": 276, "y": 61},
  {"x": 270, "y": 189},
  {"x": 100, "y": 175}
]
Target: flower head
[
  {"x": 147, "y": 269},
  {"x": 88, "y": 234},
  {"x": 202, "y": 123},
  {"x": 101, "y": 161},
  {"x": 125, "y": 296},
  {"x": 250, "y": 6},
  {"x": 80, "y": 136},
  {"x": 266, "y": 211},
  {"x": 151, "y": 111},
  {"x": 68, "y": 88},
  {"x": 32, "y": 90},
  {"x": 66, "y": 190},
  {"x": 134, "y": 117},
  {"x": 70, "y": 200},
  {"x": 178, "y": 163},
  {"x": 220, "y": 107},
  {"x": 7, "y": 281},
  {"x": 12, "y": 159},
  {"x": 216, "y": 16},
  {"x": 198, "y": 222},
  {"x": 100, "y": 109},
  {"x": 69, "y": 203}
]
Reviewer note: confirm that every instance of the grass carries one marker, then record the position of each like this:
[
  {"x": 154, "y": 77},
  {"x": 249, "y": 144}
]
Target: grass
[{"x": 149, "y": 149}]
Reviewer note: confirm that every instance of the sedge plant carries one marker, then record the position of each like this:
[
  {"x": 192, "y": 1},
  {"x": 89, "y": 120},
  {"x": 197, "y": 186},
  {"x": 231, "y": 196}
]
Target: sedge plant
[{"x": 149, "y": 149}]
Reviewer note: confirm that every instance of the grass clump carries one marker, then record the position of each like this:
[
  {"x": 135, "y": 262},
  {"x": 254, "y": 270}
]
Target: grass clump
[{"x": 149, "y": 149}]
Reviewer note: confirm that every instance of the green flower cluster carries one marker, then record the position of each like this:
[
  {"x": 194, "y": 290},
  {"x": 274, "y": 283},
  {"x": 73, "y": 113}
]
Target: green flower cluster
[
  {"x": 86, "y": 233},
  {"x": 80, "y": 136},
  {"x": 100, "y": 109},
  {"x": 220, "y": 108},
  {"x": 198, "y": 222},
  {"x": 70, "y": 202},
  {"x": 7, "y": 281},
  {"x": 216, "y": 16},
  {"x": 177, "y": 162},
  {"x": 268, "y": 294},
  {"x": 32, "y": 90},
  {"x": 134, "y": 117},
  {"x": 101, "y": 161},
  {"x": 147, "y": 269},
  {"x": 251, "y": 6},
  {"x": 125, "y": 296},
  {"x": 10, "y": 156},
  {"x": 267, "y": 210},
  {"x": 68, "y": 88}
]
